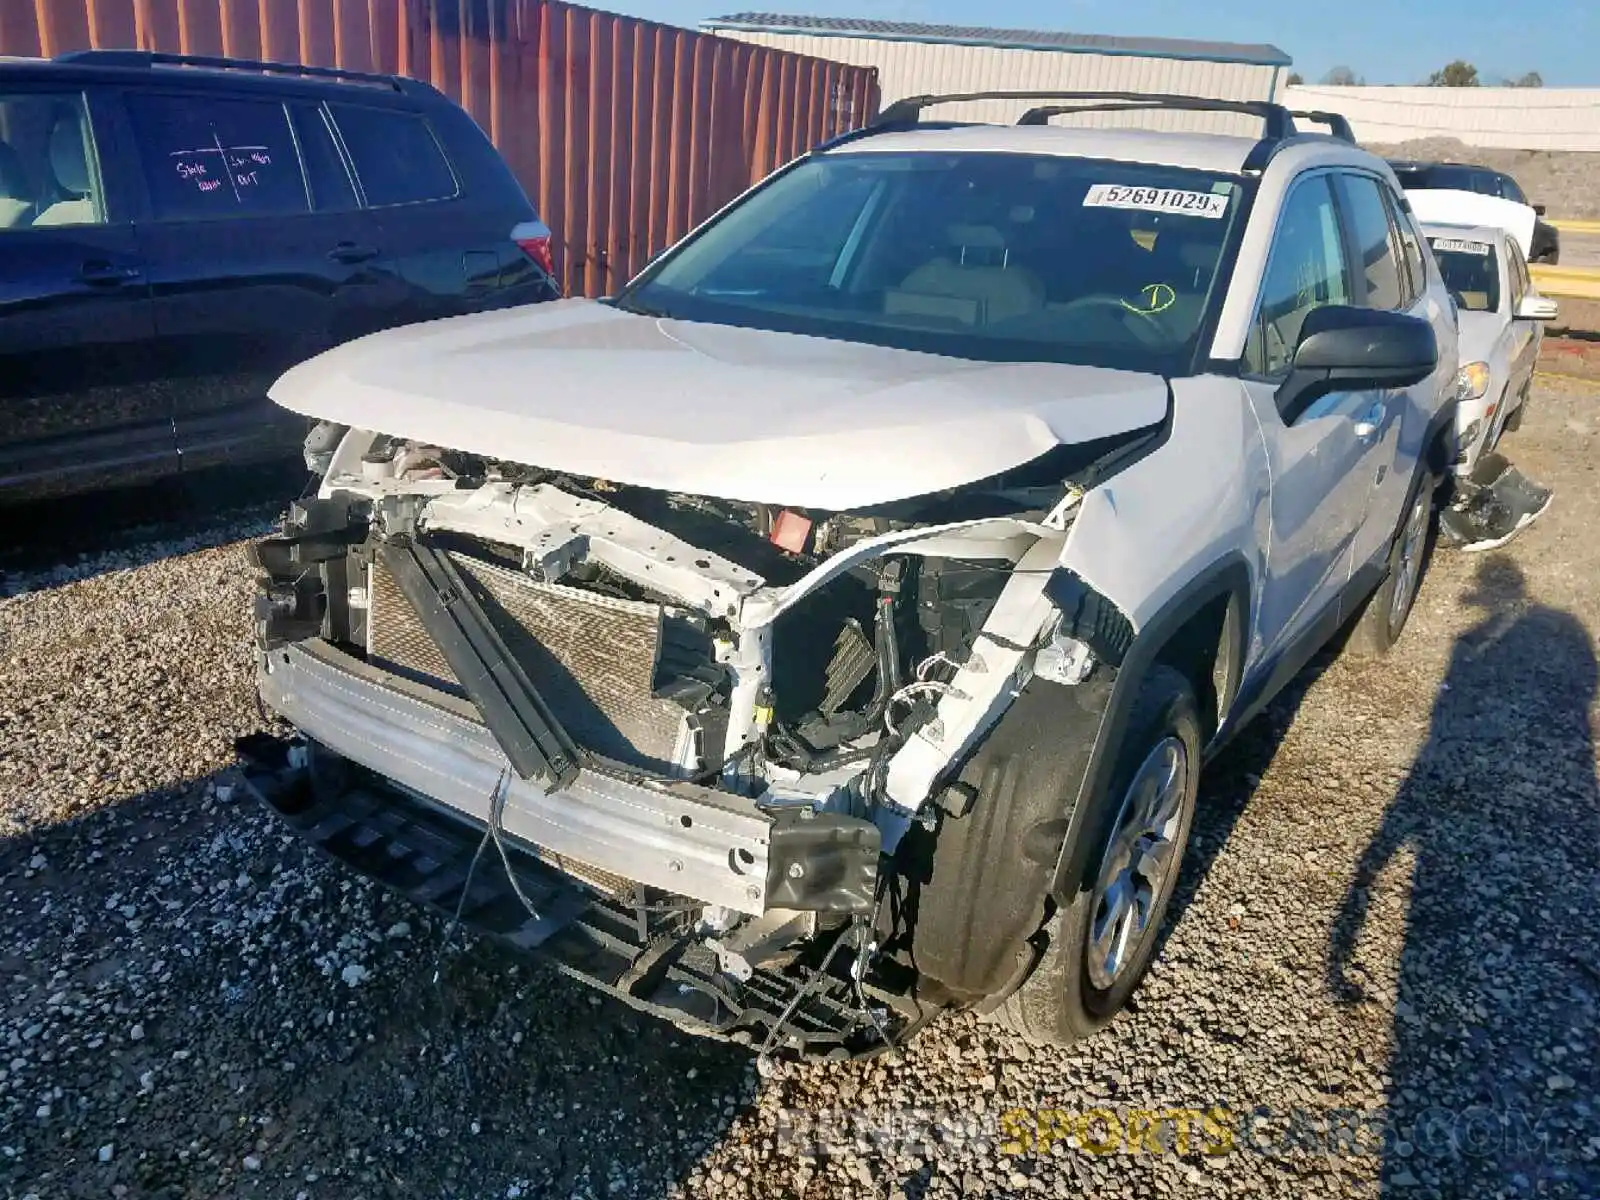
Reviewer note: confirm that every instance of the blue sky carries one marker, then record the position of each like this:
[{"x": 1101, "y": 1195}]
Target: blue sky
[{"x": 1387, "y": 41}]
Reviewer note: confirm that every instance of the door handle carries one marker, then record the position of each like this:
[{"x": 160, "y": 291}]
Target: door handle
[
  {"x": 1369, "y": 422},
  {"x": 350, "y": 252},
  {"x": 104, "y": 274}
]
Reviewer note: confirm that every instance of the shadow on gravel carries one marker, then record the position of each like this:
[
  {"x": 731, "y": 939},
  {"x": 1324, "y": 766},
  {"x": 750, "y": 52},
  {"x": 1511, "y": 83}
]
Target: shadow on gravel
[
  {"x": 297, "y": 1030},
  {"x": 44, "y": 543},
  {"x": 1495, "y": 1063},
  {"x": 1228, "y": 783}
]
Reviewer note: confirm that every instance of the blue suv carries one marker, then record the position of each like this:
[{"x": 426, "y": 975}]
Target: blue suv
[{"x": 176, "y": 232}]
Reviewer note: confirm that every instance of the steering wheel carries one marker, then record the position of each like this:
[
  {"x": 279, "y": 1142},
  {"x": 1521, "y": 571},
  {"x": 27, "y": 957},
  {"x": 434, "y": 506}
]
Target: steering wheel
[{"x": 1147, "y": 329}]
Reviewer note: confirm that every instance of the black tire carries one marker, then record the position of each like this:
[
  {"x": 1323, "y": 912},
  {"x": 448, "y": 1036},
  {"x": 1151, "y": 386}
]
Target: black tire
[
  {"x": 1514, "y": 421},
  {"x": 1060, "y": 1003},
  {"x": 1383, "y": 617}
]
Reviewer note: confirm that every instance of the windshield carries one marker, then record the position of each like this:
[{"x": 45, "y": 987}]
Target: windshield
[
  {"x": 1470, "y": 272},
  {"x": 987, "y": 256}
]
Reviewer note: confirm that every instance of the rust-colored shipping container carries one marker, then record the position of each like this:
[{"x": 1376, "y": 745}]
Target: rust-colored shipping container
[{"x": 626, "y": 133}]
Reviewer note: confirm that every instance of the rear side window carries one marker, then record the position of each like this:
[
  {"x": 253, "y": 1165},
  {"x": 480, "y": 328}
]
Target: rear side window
[
  {"x": 1379, "y": 283},
  {"x": 326, "y": 176},
  {"x": 396, "y": 157},
  {"x": 208, "y": 157}
]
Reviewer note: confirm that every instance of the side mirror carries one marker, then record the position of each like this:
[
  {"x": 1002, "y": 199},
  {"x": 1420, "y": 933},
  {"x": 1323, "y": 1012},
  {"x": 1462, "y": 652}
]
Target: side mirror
[
  {"x": 1534, "y": 307},
  {"x": 1538, "y": 210},
  {"x": 1344, "y": 349}
]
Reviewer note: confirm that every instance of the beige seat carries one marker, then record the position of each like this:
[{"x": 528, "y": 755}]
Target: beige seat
[
  {"x": 70, "y": 166},
  {"x": 975, "y": 284},
  {"x": 16, "y": 197}
]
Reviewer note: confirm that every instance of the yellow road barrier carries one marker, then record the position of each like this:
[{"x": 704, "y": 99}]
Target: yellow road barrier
[{"x": 1576, "y": 283}]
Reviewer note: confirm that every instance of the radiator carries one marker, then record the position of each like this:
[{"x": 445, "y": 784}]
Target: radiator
[{"x": 592, "y": 658}]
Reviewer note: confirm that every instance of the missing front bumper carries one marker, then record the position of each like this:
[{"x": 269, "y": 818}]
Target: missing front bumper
[{"x": 642, "y": 957}]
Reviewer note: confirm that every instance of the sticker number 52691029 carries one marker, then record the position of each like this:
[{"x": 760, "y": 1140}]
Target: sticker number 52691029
[{"x": 1150, "y": 199}]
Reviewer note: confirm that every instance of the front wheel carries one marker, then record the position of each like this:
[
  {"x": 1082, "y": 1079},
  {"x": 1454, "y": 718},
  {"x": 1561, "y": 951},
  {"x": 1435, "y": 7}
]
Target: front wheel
[
  {"x": 1098, "y": 946},
  {"x": 1384, "y": 617}
]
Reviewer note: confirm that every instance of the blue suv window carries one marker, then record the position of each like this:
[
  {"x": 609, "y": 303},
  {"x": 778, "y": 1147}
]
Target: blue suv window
[
  {"x": 209, "y": 157},
  {"x": 396, "y": 156}
]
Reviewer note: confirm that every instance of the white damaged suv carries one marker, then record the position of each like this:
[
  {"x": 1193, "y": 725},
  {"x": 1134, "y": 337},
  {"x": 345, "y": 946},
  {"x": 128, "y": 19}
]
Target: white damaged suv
[{"x": 830, "y": 628}]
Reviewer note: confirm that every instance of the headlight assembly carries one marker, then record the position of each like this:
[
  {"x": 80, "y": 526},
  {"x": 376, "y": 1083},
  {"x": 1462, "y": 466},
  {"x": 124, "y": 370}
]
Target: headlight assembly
[{"x": 1472, "y": 381}]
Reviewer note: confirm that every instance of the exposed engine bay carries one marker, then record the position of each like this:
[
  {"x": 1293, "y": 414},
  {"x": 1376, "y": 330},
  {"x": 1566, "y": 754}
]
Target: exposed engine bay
[{"x": 699, "y": 729}]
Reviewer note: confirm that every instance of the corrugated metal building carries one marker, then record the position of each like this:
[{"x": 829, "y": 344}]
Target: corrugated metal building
[
  {"x": 625, "y": 133},
  {"x": 914, "y": 59}
]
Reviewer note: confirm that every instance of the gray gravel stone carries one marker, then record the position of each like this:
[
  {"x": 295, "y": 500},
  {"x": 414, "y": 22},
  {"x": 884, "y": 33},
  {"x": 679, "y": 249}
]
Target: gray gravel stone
[{"x": 1444, "y": 846}]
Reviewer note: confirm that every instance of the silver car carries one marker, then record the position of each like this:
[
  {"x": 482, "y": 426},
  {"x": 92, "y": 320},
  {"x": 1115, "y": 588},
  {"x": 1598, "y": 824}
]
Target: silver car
[{"x": 1501, "y": 328}]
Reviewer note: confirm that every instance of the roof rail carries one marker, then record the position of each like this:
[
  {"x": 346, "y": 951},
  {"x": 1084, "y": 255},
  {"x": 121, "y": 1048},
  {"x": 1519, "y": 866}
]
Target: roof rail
[
  {"x": 1337, "y": 124},
  {"x": 1277, "y": 119},
  {"x": 155, "y": 58}
]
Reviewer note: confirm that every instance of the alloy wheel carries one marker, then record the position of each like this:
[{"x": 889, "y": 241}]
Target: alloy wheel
[{"x": 1140, "y": 856}]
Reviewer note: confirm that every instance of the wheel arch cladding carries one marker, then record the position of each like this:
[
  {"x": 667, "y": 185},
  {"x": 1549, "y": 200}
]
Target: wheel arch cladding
[
  {"x": 1203, "y": 634},
  {"x": 981, "y": 884},
  {"x": 978, "y": 884},
  {"x": 1225, "y": 584}
]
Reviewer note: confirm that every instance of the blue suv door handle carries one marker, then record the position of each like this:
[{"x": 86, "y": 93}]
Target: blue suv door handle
[{"x": 350, "y": 252}]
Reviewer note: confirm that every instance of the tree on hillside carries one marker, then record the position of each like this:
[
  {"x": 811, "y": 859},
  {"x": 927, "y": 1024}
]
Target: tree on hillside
[
  {"x": 1531, "y": 79},
  {"x": 1296, "y": 79},
  {"x": 1342, "y": 77},
  {"x": 1460, "y": 73}
]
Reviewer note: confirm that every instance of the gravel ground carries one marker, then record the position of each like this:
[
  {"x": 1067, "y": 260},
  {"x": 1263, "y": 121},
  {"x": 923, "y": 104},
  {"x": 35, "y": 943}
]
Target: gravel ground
[{"x": 1387, "y": 927}]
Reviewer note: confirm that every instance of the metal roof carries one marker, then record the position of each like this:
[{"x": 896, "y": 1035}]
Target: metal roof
[{"x": 1009, "y": 39}]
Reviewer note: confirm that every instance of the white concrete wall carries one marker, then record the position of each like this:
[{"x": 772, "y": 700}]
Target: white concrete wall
[
  {"x": 1508, "y": 118},
  {"x": 907, "y": 68}
]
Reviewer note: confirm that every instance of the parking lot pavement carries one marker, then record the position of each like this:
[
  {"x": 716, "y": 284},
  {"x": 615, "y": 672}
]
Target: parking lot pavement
[
  {"x": 1580, "y": 248},
  {"x": 1383, "y": 978}
]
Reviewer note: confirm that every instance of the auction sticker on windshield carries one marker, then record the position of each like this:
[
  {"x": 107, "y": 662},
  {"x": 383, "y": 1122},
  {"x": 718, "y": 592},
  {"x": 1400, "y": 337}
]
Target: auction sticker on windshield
[
  {"x": 1457, "y": 246},
  {"x": 1152, "y": 199}
]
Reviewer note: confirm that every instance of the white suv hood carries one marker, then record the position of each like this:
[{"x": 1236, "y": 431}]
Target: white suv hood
[{"x": 740, "y": 414}]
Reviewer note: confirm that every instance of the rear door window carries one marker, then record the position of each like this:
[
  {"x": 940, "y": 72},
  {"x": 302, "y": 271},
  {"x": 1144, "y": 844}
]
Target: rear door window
[
  {"x": 396, "y": 156},
  {"x": 209, "y": 156},
  {"x": 1375, "y": 243}
]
